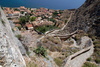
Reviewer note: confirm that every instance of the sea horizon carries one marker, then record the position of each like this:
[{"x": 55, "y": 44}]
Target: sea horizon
[{"x": 56, "y": 4}]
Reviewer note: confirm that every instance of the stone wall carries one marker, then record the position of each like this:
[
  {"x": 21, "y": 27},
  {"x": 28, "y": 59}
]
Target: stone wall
[{"x": 79, "y": 58}]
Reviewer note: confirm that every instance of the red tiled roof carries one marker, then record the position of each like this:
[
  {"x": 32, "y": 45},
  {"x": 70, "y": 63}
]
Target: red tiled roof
[
  {"x": 16, "y": 12},
  {"x": 17, "y": 25},
  {"x": 29, "y": 25}
]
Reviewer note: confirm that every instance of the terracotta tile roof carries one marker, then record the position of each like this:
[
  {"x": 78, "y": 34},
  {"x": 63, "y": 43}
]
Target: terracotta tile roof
[
  {"x": 17, "y": 25},
  {"x": 29, "y": 25},
  {"x": 7, "y": 8},
  {"x": 16, "y": 12}
]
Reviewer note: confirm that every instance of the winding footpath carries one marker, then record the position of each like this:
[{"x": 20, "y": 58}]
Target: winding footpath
[{"x": 80, "y": 57}]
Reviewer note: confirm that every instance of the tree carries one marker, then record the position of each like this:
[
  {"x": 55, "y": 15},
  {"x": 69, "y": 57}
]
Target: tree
[
  {"x": 22, "y": 12},
  {"x": 32, "y": 19},
  {"x": 24, "y": 19},
  {"x": 43, "y": 29},
  {"x": 16, "y": 9},
  {"x": 53, "y": 20},
  {"x": 55, "y": 14}
]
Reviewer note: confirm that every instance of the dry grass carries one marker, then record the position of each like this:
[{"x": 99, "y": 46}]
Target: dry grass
[
  {"x": 58, "y": 61},
  {"x": 52, "y": 43},
  {"x": 88, "y": 64},
  {"x": 31, "y": 64},
  {"x": 55, "y": 40}
]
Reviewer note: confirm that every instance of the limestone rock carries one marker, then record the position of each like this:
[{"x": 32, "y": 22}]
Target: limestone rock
[
  {"x": 86, "y": 18},
  {"x": 10, "y": 54}
]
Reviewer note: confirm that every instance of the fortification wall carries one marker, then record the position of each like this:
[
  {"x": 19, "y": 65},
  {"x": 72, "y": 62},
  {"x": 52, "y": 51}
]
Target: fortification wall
[{"x": 79, "y": 58}]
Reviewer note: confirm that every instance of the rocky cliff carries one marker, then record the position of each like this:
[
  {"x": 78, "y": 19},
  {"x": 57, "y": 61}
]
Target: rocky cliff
[
  {"x": 86, "y": 18},
  {"x": 10, "y": 54}
]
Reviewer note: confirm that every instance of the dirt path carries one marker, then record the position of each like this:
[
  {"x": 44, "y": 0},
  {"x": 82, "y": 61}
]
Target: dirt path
[{"x": 67, "y": 21}]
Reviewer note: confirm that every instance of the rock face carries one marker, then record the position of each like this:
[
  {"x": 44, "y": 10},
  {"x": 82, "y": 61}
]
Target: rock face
[
  {"x": 86, "y": 18},
  {"x": 10, "y": 55}
]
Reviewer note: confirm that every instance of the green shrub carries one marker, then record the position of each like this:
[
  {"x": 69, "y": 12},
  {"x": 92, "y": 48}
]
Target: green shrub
[
  {"x": 97, "y": 60},
  {"x": 13, "y": 30},
  {"x": 40, "y": 51},
  {"x": 58, "y": 61},
  {"x": 97, "y": 42},
  {"x": 16, "y": 9},
  {"x": 97, "y": 46},
  {"x": 32, "y": 19},
  {"x": 53, "y": 20},
  {"x": 55, "y": 14},
  {"x": 96, "y": 53},
  {"x": 32, "y": 11},
  {"x": 19, "y": 27},
  {"x": 66, "y": 21},
  {"x": 88, "y": 64},
  {"x": 19, "y": 36},
  {"x": 89, "y": 59},
  {"x": 43, "y": 29},
  {"x": 28, "y": 53},
  {"x": 3, "y": 22},
  {"x": 22, "y": 12}
]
